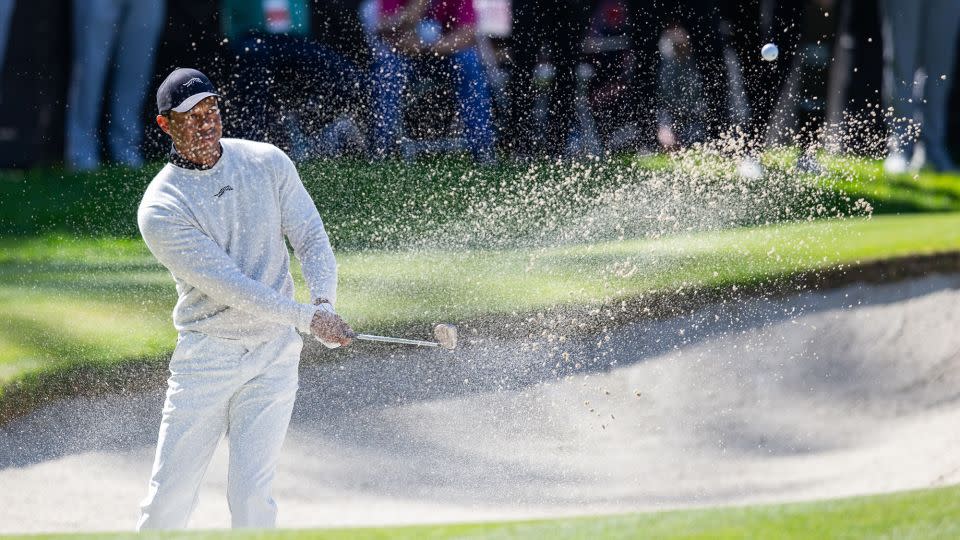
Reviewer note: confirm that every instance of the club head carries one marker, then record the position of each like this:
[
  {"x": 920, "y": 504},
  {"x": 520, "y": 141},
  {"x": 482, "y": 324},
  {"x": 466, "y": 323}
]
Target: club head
[{"x": 446, "y": 335}]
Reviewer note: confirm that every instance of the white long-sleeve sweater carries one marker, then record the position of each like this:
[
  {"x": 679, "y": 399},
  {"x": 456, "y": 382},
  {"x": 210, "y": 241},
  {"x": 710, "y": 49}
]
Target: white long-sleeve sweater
[{"x": 220, "y": 232}]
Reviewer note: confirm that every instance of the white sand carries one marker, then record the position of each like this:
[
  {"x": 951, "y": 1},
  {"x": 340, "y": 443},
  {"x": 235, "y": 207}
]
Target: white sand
[{"x": 763, "y": 401}]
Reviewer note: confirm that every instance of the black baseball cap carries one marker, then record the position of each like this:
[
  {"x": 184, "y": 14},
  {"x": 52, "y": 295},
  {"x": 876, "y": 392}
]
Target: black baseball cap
[{"x": 183, "y": 89}]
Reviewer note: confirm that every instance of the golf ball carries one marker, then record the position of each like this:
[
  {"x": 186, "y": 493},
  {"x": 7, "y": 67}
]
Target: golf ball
[{"x": 769, "y": 52}]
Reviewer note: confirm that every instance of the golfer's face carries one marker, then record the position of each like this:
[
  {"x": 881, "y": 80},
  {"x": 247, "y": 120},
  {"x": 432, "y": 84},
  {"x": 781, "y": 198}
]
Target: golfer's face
[{"x": 199, "y": 128}]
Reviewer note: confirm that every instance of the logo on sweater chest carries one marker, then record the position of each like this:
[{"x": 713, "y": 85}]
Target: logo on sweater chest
[{"x": 223, "y": 190}]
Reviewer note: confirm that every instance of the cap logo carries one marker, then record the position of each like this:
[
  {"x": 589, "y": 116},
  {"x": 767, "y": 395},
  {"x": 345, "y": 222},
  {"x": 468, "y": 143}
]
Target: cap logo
[{"x": 193, "y": 80}]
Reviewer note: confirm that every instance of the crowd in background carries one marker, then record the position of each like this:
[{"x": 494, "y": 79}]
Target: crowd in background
[{"x": 498, "y": 79}]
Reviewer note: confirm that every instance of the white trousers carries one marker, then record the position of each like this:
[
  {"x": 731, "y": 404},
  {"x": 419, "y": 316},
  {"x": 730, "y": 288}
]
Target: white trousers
[{"x": 243, "y": 388}]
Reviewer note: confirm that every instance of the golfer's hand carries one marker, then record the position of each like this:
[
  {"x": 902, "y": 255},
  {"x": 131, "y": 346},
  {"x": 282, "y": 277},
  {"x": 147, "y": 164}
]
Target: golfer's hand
[{"x": 329, "y": 328}]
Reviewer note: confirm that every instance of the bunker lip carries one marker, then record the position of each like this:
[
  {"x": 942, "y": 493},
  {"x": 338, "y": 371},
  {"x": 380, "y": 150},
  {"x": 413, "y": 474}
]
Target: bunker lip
[
  {"x": 807, "y": 396},
  {"x": 85, "y": 379}
]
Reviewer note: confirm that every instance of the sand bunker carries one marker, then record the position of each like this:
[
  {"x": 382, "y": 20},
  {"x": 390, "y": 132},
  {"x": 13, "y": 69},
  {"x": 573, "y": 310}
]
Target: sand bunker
[{"x": 821, "y": 395}]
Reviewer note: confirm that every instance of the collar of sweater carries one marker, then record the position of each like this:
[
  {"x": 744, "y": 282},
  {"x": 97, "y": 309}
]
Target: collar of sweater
[{"x": 177, "y": 159}]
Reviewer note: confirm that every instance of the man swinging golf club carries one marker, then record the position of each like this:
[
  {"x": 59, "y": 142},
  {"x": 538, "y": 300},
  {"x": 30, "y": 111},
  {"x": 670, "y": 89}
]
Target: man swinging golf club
[{"x": 216, "y": 217}]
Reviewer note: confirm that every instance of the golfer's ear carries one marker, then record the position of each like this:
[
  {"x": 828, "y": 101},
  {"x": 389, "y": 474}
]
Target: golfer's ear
[{"x": 164, "y": 123}]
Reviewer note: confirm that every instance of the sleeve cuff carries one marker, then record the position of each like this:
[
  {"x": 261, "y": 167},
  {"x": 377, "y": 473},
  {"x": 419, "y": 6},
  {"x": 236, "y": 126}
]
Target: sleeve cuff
[{"x": 306, "y": 318}]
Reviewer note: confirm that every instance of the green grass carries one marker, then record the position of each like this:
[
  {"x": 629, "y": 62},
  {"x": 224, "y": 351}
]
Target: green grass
[
  {"x": 363, "y": 204},
  {"x": 102, "y": 301},
  {"x": 79, "y": 289},
  {"x": 916, "y": 515},
  {"x": 77, "y": 286},
  {"x": 387, "y": 205},
  {"x": 925, "y": 191}
]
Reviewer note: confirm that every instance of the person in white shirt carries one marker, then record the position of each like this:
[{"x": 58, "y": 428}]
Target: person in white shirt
[{"x": 216, "y": 217}]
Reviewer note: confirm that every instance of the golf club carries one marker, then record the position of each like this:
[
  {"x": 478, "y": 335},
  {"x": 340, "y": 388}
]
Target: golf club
[{"x": 445, "y": 334}]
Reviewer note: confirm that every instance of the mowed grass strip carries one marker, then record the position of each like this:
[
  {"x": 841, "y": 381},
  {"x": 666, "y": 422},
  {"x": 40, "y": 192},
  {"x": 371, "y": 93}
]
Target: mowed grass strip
[
  {"x": 923, "y": 191},
  {"x": 914, "y": 515},
  {"x": 67, "y": 300},
  {"x": 392, "y": 204},
  {"x": 382, "y": 289}
]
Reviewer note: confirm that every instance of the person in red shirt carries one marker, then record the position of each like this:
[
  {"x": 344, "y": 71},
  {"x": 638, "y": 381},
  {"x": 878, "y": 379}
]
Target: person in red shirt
[{"x": 418, "y": 33}]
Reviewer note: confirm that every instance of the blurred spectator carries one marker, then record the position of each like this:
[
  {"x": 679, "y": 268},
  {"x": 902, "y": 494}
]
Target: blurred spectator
[
  {"x": 705, "y": 23},
  {"x": 289, "y": 81},
  {"x": 553, "y": 31},
  {"x": 112, "y": 40},
  {"x": 749, "y": 25},
  {"x": 682, "y": 114},
  {"x": 838, "y": 83},
  {"x": 788, "y": 105},
  {"x": 854, "y": 80},
  {"x": 612, "y": 69},
  {"x": 779, "y": 22},
  {"x": 920, "y": 35},
  {"x": 422, "y": 35},
  {"x": 312, "y": 101}
]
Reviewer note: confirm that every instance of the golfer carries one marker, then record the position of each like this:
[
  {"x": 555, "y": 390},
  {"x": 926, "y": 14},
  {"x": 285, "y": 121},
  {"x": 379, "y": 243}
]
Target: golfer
[{"x": 216, "y": 217}]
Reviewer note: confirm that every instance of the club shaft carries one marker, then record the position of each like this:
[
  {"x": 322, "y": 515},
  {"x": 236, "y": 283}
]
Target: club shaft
[{"x": 401, "y": 341}]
